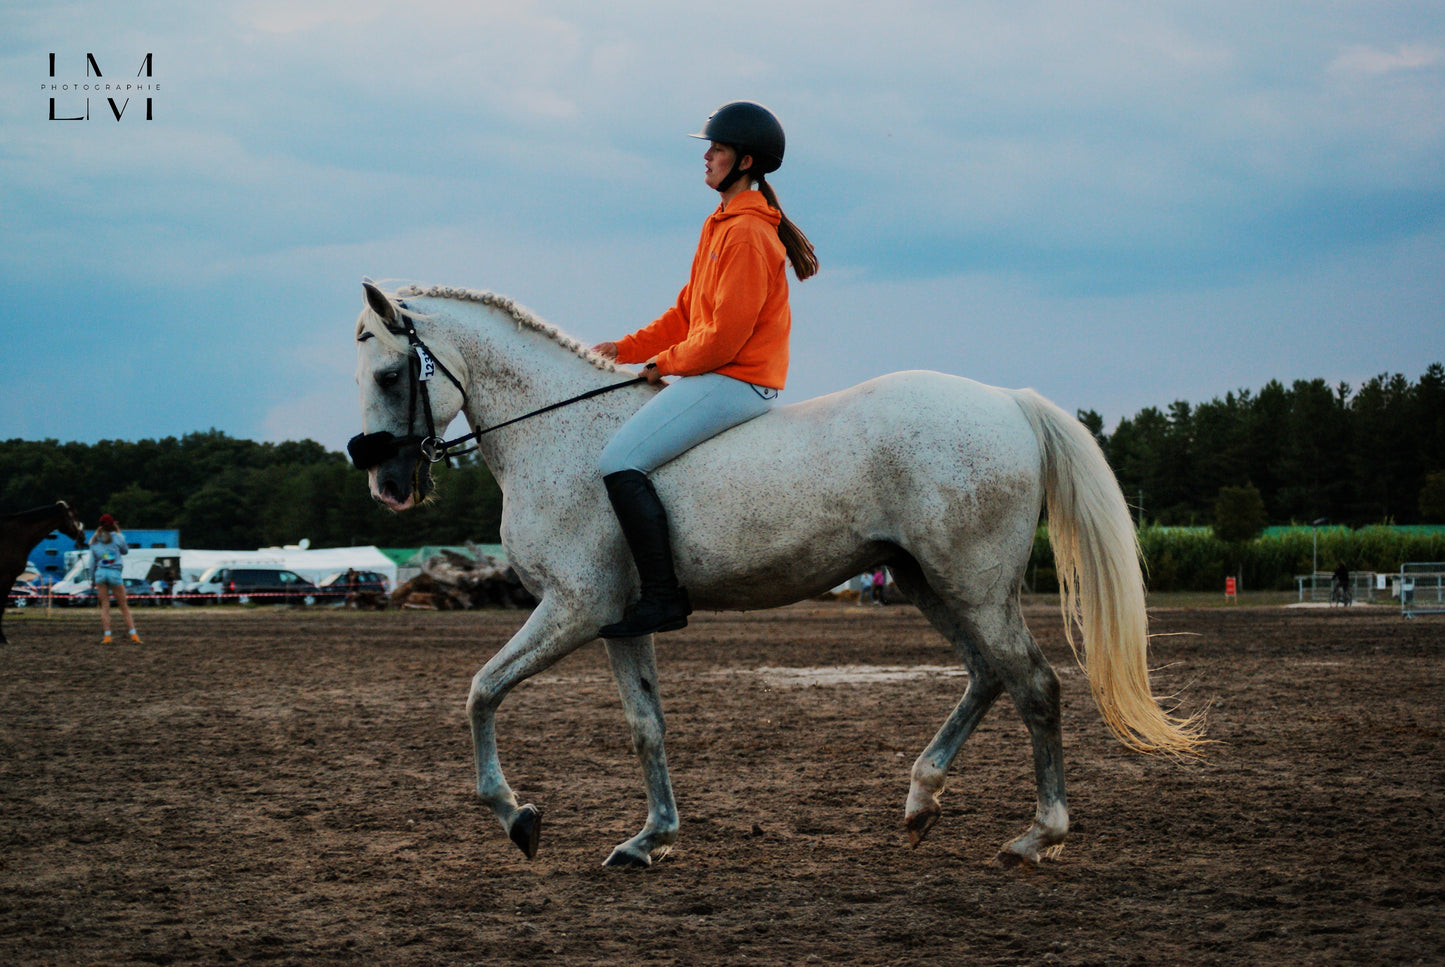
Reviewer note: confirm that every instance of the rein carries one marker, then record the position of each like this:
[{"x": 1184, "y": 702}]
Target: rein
[
  {"x": 441, "y": 450},
  {"x": 368, "y": 450}
]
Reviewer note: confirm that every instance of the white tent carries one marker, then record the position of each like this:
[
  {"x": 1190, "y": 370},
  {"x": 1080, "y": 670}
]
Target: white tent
[
  {"x": 316, "y": 563},
  {"x": 311, "y": 564}
]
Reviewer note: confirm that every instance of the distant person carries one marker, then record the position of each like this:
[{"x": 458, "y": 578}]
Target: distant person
[
  {"x": 107, "y": 548},
  {"x": 1340, "y": 583},
  {"x": 178, "y": 585}
]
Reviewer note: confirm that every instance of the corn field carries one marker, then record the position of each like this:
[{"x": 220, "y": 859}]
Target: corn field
[{"x": 1193, "y": 559}]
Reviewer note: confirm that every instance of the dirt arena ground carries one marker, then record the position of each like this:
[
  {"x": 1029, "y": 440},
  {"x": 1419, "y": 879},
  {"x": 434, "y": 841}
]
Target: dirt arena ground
[{"x": 293, "y": 787}]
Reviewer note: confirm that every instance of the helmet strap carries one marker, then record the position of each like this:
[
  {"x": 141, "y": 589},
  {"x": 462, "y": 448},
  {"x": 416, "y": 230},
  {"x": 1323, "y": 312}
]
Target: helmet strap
[{"x": 735, "y": 174}]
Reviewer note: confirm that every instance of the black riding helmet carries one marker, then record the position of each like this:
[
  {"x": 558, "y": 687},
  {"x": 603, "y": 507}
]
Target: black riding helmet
[{"x": 750, "y": 129}]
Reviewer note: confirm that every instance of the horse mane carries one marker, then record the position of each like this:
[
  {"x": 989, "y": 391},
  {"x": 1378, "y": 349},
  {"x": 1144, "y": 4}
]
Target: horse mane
[
  {"x": 36, "y": 513},
  {"x": 522, "y": 316}
]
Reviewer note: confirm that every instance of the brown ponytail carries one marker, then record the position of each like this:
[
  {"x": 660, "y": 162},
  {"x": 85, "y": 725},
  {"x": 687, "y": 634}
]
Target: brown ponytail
[{"x": 800, "y": 251}]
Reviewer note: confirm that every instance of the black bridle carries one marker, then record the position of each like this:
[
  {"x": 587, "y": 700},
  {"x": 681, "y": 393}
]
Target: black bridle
[{"x": 369, "y": 450}]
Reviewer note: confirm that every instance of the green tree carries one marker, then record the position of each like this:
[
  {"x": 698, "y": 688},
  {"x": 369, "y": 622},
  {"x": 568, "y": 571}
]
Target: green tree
[
  {"x": 1432, "y": 499},
  {"x": 1095, "y": 425},
  {"x": 1315, "y": 470},
  {"x": 1239, "y": 514},
  {"x": 1220, "y": 451},
  {"x": 1238, "y": 519},
  {"x": 1386, "y": 462},
  {"x": 136, "y": 507},
  {"x": 219, "y": 516}
]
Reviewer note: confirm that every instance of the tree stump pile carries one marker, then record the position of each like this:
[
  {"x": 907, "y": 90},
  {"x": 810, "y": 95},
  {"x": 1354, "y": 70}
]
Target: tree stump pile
[{"x": 450, "y": 581}]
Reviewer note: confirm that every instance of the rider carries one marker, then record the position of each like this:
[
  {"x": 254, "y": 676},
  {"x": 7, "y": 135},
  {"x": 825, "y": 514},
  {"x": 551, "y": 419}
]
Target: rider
[
  {"x": 1340, "y": 582},
  {"x": 726, "y": 338}
]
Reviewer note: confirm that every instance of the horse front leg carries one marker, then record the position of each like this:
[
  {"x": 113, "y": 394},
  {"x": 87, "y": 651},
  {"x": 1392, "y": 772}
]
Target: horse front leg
[
  {"x": 551, "y": 632},
  {"x": 634, "y": 666}
]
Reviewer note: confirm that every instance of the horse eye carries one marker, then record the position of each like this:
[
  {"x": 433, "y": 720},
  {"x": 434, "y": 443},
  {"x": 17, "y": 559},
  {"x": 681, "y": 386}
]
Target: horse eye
[{"x": 388, "y": 378}]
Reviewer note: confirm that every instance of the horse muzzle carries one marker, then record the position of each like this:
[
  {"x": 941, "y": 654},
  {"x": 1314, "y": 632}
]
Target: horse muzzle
[
  {"x": 370, "y": 450},
  {"x": 399, "y": 477}
]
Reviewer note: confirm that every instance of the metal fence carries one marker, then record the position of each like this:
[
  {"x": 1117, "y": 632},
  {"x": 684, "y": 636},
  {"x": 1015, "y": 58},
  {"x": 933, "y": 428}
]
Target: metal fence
[
  {"x": 1319, "y": 586},
  {"x": 1421, "y": 586}
]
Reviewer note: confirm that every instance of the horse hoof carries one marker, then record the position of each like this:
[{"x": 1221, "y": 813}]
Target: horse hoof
[
  {"x": 623, "y": 860},
  {"x": 1006, "y": 859},
  {"x": 526, "y": 829},
  {"x": 919, "y": 825}
]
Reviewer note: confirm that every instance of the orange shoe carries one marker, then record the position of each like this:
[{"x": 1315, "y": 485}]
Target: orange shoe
[{"x": 134, "y": 637}]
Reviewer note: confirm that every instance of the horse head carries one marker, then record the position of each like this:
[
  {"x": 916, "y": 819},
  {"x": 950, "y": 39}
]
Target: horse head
[
  {"x": 402, "y": 406},
  {"x": 70, "y": 524}
]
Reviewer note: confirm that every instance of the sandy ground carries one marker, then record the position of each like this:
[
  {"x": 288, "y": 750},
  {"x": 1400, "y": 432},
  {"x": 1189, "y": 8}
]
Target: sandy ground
[{"x": 294, "y": 787}]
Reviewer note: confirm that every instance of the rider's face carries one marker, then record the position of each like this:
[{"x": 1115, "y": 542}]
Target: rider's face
[{"x": 718, "y": 162}]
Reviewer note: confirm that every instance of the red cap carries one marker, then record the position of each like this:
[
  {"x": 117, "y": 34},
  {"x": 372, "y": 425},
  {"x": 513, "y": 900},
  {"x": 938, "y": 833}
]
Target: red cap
[{"x": 107, "y": 521}]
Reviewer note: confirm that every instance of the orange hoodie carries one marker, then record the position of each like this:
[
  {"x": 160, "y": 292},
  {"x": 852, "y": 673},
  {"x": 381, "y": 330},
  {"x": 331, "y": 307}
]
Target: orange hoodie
[{"x": 732, "y": 317}]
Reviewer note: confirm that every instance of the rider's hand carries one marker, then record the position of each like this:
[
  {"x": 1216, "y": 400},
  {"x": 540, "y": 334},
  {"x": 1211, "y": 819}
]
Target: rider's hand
[
  {"x": 607, "y": 349},
  {"x": 653, "y": 376}
]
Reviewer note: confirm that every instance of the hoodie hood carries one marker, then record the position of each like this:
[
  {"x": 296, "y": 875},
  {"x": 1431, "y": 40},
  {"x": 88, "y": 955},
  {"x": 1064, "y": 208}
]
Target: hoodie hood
[{"x": 750, "y": 202}]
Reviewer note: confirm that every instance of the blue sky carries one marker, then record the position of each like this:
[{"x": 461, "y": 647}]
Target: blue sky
[{"x": 1118, "y": 204}]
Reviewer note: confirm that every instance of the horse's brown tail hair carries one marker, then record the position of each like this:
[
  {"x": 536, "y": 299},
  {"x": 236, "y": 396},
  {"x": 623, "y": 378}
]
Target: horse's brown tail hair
[{"x": 800, "y": 251}]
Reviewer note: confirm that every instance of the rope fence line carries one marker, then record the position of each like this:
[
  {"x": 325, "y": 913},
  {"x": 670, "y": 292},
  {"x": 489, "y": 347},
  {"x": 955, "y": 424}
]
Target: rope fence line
[{"x": 157, "y": 599}]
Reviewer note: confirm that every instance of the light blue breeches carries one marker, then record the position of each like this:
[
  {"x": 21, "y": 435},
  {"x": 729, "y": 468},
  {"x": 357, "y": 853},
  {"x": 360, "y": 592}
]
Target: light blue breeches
[{"x": 690, "y": 410}]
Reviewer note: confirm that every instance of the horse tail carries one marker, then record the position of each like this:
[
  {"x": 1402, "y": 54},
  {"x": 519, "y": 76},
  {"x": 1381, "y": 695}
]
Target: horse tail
[{"x": 1101, "y": 583}]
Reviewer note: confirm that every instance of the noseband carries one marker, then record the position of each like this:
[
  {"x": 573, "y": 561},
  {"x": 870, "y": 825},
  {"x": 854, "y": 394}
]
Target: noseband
[
  {"x": 373, "y": 449},
  {"x": 370, "y": 450}
]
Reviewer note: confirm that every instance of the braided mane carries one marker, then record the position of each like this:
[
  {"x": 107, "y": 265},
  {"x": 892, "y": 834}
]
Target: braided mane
[{"x": 524, "y": 318}]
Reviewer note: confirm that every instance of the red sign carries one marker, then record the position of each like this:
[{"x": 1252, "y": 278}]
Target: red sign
[{"x": 1229, "y": 588}]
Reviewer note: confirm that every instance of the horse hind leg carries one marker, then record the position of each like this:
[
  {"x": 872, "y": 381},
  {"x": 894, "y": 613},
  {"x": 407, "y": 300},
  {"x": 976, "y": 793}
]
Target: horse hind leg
[
  {"x": 928, "y": 777},
  {"x": 1034, "y": 687},
  {"x": 929, "y": 774},
  {"x": 1000, "y": 654}
]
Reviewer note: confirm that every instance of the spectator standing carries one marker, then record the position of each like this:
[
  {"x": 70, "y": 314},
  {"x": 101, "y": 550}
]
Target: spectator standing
[{"x": 107, "y": 549}]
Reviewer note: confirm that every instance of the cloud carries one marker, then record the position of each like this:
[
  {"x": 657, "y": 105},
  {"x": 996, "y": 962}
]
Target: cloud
[
  {"x": 304, "y": 16},
  {"x": 1371, "y": 60},
  {"x": 1063, "y": 173}
]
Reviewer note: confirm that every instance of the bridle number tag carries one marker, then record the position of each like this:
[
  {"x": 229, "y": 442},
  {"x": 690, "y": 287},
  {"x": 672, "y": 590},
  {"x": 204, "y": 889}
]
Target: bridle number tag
[{"x": 428, "y": 365}]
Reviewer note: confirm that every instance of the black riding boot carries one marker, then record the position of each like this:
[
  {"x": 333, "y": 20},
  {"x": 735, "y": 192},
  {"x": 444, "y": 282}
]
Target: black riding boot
[{"x": 663, "y": 605}]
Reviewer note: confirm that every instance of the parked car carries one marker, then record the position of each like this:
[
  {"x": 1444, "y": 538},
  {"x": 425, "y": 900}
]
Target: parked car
[
  {"x": 25, "y": 595},
  {"x": 335, "y": 587},
  {"x": 82, "y": 594},
  {"x": 256, "y": 585}
]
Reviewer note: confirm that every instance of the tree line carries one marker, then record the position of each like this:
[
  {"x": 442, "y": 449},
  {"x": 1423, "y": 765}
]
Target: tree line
[
  {"x": 1362, "y": 456},
  {"x": 1311, "y": 450},
  {"x": 225, "y": 493}
]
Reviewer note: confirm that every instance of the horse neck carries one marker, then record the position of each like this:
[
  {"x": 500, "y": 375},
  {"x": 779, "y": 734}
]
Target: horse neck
[
  {"x": 514, "y": 370},
  {"x": 34, "y": 524}
]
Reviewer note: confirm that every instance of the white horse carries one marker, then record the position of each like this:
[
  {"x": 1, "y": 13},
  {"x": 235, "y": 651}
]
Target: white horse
[{"x": 945, "y": 489}]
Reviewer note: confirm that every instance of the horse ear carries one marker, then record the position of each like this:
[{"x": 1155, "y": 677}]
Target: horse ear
[{"x": 379, "y": 303}]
